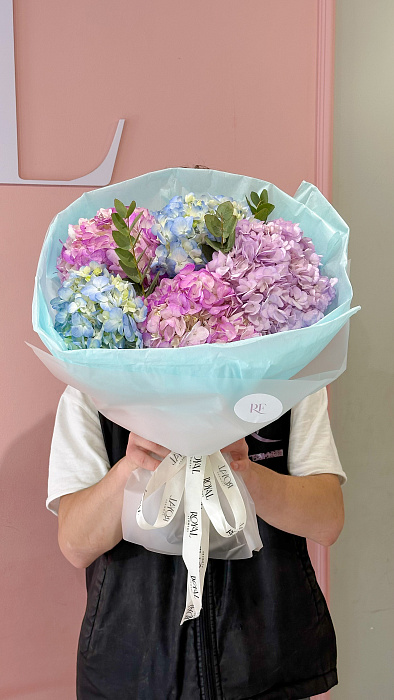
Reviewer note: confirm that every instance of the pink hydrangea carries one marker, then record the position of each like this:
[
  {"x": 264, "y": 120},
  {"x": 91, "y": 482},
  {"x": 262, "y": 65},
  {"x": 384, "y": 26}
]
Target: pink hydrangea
[
  {"x": 193, "y": 308},
  {"x": 91, "y": 239},
  {"x": 274, "y": 271}
]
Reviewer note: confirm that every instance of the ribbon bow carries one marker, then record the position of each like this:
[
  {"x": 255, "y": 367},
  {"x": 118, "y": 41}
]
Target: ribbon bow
[{"x": 196, "y": 479}]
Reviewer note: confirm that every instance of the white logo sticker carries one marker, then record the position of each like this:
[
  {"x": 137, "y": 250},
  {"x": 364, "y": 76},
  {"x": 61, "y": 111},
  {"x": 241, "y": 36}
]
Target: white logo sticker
[{"x": 258, "y": 408}]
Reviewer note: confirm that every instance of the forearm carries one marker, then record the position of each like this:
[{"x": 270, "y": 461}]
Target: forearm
[
  {"x": 309, "y": 506},
  {"x": 90, "y": 519}
]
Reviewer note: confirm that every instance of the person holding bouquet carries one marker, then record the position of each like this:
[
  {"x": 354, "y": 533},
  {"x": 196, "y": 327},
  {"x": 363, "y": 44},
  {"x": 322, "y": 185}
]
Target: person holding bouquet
[
  {"x": 264, "y": 630},
  {"x": 167, "y": 326}
]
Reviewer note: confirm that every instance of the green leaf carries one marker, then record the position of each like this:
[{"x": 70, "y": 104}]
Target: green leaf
[
  {"x": 251, "y": 207},
  {"x": 140, "y": 256},
  {"x": 126, "y": 257},
  {"x": 121, "y": 239},
  {"x": 229, "y": 228},
  {"x": 120, "y": 208},
  {"x": 130, "y": 272},
  {"x": 152, "y": 284},
  {"x": 128, "y": 268},
  {"x": 230, "y": 242},
  {"x": 264, "y": 196},
  {"x": 135, "y": 241},
  {"x": 255, "y": 198},
  {"x": 131, "y": 208},
  {"x": 261, "y": 214},
  {"x": 145, "y": 269},
  {"x": 216, "y": 245},
  {"x": 213, "y": 225},
  {"x": 264, "y": 212},
  {"x": 137, "y": 218},
  {"x": 119, "y": 222},
  {"x": 225, "y": 211},
  {"x": 265, "y": 205},
  {"x": 207, "y": 251}
]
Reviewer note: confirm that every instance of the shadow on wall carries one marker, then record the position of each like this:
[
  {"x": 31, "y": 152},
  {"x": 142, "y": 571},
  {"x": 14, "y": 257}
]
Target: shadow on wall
[{"x": 43, "y": 594}]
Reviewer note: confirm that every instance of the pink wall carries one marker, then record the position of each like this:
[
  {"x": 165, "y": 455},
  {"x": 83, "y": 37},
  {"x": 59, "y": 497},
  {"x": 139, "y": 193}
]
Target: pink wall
[{"x": 239, "y": 86}]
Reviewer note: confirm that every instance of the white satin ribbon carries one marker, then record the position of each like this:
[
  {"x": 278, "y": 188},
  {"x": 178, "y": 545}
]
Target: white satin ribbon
[{"x": 196, "y": 478}]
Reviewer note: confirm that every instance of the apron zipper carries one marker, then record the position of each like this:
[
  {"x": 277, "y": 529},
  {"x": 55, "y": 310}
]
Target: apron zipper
[{"x": 209, "y": 667}]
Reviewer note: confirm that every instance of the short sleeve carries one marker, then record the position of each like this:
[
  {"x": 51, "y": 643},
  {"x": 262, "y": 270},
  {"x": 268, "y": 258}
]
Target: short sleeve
[
  {"x": 312, "y": 448},
  {"x": 78, "y": 457}
]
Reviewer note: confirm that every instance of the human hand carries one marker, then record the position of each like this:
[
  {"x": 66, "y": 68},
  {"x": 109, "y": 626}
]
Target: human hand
[
  {"x": 143, "y": 453},
  {"x": 239, "y": 455}
]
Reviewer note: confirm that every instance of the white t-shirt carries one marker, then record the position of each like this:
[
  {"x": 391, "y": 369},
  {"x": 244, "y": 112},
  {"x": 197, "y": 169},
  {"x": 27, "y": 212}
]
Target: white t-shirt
[{"x": 78, "y": 457}]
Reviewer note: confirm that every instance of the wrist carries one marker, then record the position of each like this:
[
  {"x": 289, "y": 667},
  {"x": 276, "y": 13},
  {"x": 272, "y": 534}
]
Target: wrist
[
  {"x": 251, "y": 474},
  {"x": 265, "y": 486}
]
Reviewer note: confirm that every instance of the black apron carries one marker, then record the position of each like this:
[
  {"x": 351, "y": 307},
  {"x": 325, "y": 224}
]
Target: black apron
[{"x": 264, "y": 631}]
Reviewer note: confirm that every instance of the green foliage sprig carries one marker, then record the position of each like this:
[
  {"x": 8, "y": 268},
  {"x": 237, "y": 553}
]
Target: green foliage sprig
[
  {"x": 222, "y": 226},
  {"x": 262, "y": 208},
  {"x": 125, "y": 251}
]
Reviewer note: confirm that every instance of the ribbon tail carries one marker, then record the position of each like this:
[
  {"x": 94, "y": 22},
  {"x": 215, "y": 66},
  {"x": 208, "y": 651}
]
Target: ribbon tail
[
  {"x": 197, "y": 479},
  {"x": 194, "y": 539}
]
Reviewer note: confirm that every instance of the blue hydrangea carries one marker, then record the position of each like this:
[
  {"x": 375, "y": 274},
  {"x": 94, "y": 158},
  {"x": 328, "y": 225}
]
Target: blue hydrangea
[
  {"x": 95, "y": 309},
  {"x": 181, "y": 230}
]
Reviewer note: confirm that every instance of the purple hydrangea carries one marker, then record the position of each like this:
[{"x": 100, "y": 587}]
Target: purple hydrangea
[{"x": 274, "y": 272}]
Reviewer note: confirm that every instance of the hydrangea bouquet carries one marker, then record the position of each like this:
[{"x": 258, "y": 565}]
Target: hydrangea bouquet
[
  {"x": 201, "y": 270},
  {"x": 194, "y": 307}
]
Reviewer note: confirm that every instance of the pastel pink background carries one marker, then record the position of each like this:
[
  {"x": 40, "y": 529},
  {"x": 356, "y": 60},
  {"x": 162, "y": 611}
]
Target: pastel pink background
[{"x": 239, "y": 86}]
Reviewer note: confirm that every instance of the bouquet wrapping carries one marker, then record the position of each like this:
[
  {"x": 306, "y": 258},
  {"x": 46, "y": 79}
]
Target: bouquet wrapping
[{"x": 196, "y": 400}]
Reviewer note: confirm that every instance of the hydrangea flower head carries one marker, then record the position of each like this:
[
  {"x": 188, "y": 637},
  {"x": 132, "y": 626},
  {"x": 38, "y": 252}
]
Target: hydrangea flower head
[
  {"x": 274, "y": 271},
  {"x": 91, "y": 240},
  {"x": 194, "y": 307},
  {"x": 95, "y": 309},
  {"x": 181, "y": 230}
]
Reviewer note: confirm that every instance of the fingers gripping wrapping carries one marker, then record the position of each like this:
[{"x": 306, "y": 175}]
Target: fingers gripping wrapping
[{"x": 139, "y": 451}]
